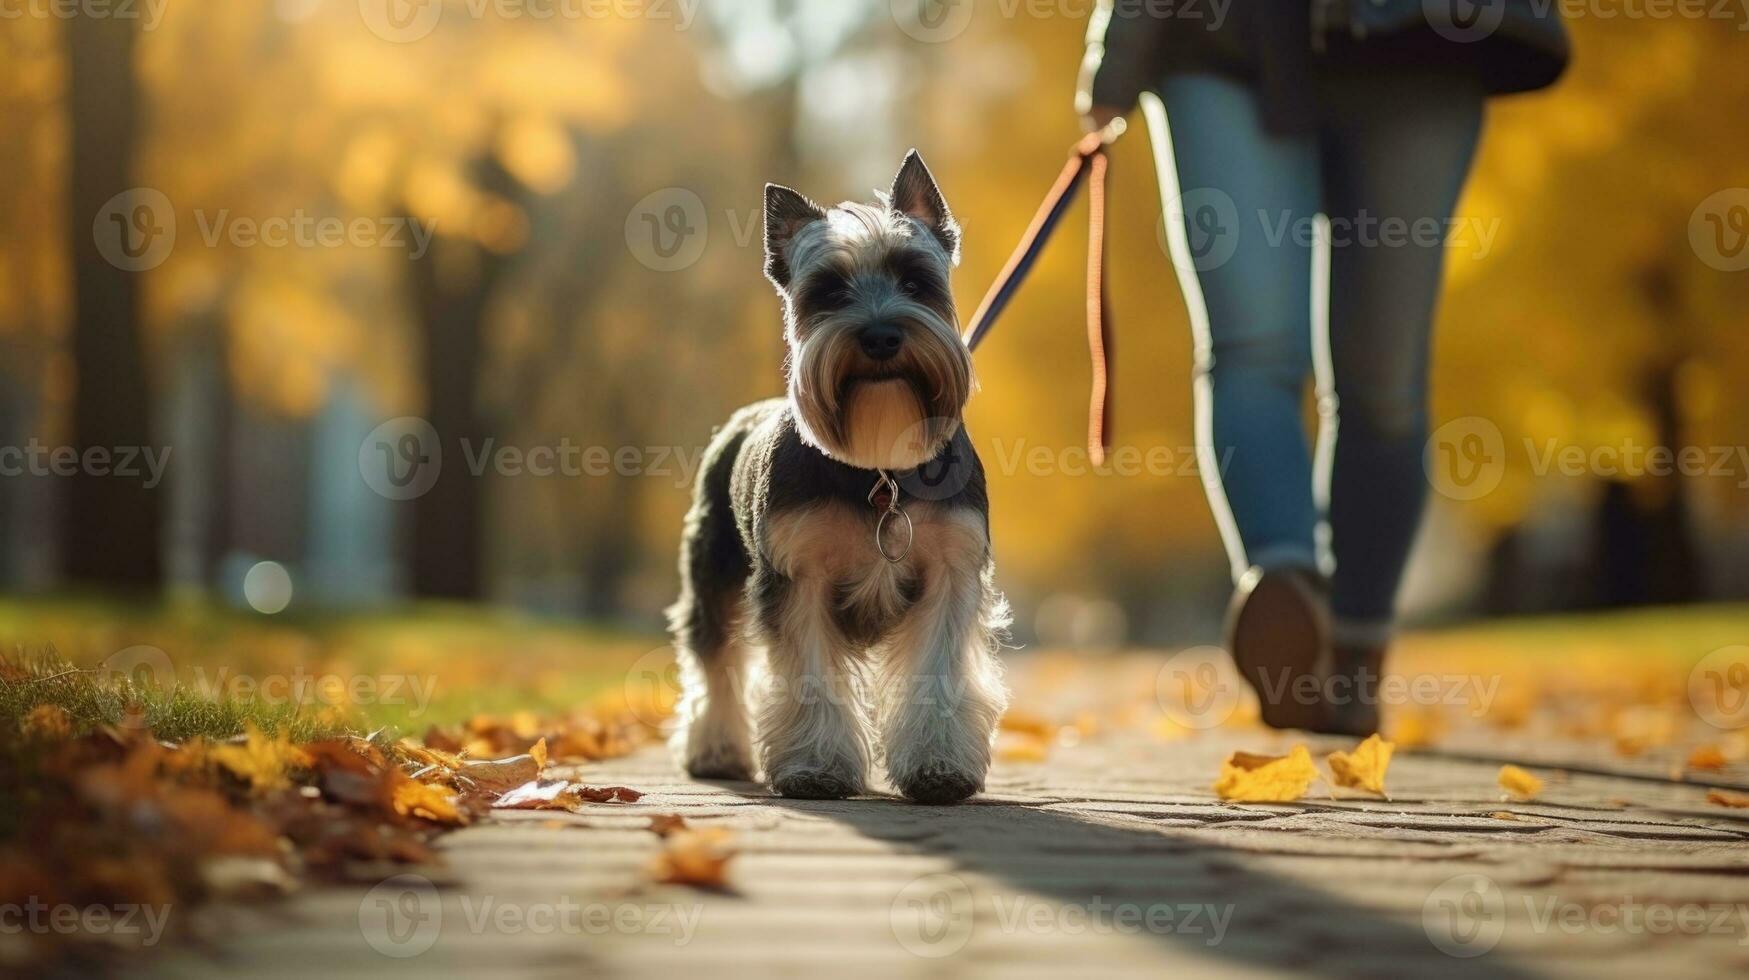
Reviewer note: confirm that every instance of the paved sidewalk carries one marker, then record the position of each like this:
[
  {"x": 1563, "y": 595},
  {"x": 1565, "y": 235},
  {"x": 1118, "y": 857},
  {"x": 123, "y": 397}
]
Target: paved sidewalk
[{"x": 1110, "y": 858}]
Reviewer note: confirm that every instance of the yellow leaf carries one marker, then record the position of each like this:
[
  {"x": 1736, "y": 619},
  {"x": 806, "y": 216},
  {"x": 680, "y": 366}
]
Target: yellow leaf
[
  {"x": 1364, "y": 768},
  {"x": 1518, "y": 782},
  {"x": 1250, "y": 778},
  {"x": 426, "y": 801},
  {"x": 539, "y": 752},
  {"x": 260, "y": 761}
]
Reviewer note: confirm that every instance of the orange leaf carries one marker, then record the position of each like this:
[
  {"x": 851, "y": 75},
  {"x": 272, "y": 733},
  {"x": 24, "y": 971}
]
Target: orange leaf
[
  {"x": 1249, "y": 778},
  {"x": 663, "y": 824},
  {"x": 1728, "y": 798},
  {"x": 48, "y": 722},
  {"x": 1364, "y": 768}
]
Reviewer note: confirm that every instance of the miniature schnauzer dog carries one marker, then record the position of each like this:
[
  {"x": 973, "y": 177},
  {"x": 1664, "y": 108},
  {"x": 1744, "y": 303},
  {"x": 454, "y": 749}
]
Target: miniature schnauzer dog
[{"x": 844, "y": 529}]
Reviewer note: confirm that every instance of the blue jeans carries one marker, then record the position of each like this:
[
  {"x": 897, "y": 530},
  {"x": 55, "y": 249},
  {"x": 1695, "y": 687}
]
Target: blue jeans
[{"x": 1384, "y": 164}]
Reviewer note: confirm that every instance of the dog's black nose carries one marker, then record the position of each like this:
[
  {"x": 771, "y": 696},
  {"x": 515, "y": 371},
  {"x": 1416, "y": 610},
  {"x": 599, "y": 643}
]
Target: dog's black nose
[{"x": 881, "y": 341}]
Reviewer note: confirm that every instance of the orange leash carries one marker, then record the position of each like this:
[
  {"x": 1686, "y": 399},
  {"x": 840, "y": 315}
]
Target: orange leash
[{"x": 1087, "y": 160}]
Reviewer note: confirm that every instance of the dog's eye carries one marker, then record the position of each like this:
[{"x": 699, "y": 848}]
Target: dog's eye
[{"x": 910, "y": 286}]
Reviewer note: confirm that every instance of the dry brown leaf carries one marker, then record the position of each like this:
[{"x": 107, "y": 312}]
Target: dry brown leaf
[
  {"x": 694, "y": 857},
  {"x": 663, "y": 824},
  {"x": 1505, "y": 815},
  {"x": 1724, "y": 797},
  {"x": 1250, "y": 778},
  {"x": 501, "y": 775},
  {"x": 1364, "y": 768},
  {"x": 1518, "y": 782}
]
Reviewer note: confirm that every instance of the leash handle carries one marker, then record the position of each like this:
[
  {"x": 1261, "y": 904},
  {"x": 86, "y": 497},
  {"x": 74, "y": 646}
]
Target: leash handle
[{"x": 1087, "y": 161}]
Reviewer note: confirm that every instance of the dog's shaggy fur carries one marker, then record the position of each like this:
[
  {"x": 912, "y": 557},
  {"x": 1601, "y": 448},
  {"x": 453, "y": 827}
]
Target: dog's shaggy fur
[{"x": 865, "y": 657}]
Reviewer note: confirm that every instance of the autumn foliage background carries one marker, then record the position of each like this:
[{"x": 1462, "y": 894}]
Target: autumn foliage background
[{"x": 531, "y": 146}]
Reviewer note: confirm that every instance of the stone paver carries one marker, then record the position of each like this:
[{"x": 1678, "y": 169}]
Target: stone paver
[{"x": 1110, "y": 859}]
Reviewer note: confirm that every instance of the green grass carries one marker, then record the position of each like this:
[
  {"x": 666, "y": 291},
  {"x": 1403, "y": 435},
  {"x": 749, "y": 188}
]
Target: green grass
[
  {"x": 92, "y": 698},
  {"x": 403, "y": 668}
]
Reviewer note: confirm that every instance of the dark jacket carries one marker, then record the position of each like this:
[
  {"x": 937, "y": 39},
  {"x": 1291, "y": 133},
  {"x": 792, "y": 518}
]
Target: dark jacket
[{"x": 1281, "y": 44}]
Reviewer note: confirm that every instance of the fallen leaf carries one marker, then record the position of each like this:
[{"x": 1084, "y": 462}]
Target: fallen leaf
[
  {"x": 609, "y": 794},
  {"x": 1708, "y": 757},
  {"x": 260, "y": 761},
  {"x": 538, "y": 752},
  {"x": 663, "y": 824},
  {"x": 501, "y": 775},
  {"x": 1364, "y": 768},
  {"x": 427, "y": 802},
  {"x": 694, "y": 857},
  {"x": 1505, "y": 815},
  {"x": 1518, "y": 782},
  {"x": 1728, "y": 798},
  {"x": 1250, "y": 778}
]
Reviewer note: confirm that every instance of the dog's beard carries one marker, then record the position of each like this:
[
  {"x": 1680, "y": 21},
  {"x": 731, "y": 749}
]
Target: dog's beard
[{"x": 893, "y": 415}]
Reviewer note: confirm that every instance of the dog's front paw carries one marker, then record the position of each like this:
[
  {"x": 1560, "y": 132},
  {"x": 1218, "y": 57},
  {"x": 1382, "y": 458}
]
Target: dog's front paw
[
  {"x": 815, "y": 784},
  {"x": 938, "y": 785}
]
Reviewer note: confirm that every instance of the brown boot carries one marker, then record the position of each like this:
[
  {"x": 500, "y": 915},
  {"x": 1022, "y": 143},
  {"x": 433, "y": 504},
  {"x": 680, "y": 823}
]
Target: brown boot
[
  {"x": 1278, "y": 631},
  {"x": 1356, "y": 672}
]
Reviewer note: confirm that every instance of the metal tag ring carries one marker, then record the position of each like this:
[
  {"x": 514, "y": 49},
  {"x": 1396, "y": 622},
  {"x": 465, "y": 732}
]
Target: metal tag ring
[{"x": 880, "y": 535}]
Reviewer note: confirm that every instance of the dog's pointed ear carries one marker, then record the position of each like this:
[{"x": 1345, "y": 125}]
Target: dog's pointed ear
[
  {"x": 786, "y": 212},
  {"x": 916, "y": 195}
]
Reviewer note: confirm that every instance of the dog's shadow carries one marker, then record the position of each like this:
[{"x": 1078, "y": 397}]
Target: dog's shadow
[{"x": 1069, "y": 874}]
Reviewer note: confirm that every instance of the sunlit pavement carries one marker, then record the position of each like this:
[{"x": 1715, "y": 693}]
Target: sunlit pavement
[{"x": 1111, "y": 855}]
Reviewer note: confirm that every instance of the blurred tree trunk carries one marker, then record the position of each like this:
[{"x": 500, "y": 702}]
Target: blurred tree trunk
[
  {"x": 112, "y": 528},
  {"x": 453, "y": 284}
]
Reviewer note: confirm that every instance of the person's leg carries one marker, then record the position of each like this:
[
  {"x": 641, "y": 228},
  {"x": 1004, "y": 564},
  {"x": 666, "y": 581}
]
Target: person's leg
[
  {"x": 1246, "y": 280},
  {"x": 1239, "y": 205},
  {"x": 1395, "y": 155}
]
